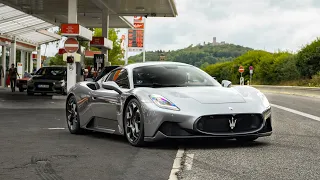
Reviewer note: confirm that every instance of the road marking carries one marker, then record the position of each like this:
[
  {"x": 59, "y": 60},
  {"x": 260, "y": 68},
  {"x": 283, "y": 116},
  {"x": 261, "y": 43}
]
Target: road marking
[
  {"x": 176, "y": 165},
  {"x": 297, "y": 112},
  {"x": 56, "y": 128},
  {"x": 188, "y": 162}
]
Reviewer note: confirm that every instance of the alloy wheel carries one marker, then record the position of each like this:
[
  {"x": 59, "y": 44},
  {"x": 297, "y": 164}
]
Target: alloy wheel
[
  {"x": 133, "y": 122},
  {"x": 72, "y": 114}
]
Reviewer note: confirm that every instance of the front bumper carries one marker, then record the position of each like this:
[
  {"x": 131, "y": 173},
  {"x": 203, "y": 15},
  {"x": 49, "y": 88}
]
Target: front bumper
[
  {"x": 162, "y": 124},
  {"x": 45, "y": 87},
  {"x": 176, "y": 132}
]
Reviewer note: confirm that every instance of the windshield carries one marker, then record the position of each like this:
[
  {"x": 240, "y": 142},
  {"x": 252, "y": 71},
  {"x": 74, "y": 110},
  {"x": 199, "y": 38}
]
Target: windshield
[
  {"x": 52, "y": 71},
  {"x": 169, "y": 75}
]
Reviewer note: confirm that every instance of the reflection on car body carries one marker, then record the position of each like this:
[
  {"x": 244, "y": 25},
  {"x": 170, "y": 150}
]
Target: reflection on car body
[{"x": 156, "y": 100}]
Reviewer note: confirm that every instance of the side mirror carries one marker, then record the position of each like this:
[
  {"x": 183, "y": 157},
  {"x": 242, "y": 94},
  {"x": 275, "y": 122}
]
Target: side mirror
[
  {"x": 111, "y": 85},
  {"x": 226, "y": 83}
]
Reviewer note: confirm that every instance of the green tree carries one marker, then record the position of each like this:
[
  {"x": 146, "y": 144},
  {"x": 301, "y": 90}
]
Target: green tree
[
  {"x": 57, "y": 60},
  {"x": 308, "y": 59},
  {"x": 115, "y": 55}
]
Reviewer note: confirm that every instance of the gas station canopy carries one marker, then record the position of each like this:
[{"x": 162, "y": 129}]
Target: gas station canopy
[
  {"x": 24, "y": 27},
  {"x": 89, "y": 11}
]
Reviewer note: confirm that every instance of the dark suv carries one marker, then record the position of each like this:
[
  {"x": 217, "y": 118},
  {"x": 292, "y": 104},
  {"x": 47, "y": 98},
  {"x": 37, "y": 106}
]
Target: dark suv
[{"x": 48, "y": 80}]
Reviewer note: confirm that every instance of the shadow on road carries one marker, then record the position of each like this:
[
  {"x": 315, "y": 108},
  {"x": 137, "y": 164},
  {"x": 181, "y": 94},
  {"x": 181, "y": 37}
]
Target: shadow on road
[{"x": 166, "y": 144}]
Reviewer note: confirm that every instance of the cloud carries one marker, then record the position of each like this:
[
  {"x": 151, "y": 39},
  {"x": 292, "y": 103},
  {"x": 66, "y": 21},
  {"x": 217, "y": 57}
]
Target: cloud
[{"x": 260, "y": 24}]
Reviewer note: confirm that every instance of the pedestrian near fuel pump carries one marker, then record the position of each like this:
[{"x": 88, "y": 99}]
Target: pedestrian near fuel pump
[
  {"x": 2, "y": 75},
  {"x": 13, "y": 77}
]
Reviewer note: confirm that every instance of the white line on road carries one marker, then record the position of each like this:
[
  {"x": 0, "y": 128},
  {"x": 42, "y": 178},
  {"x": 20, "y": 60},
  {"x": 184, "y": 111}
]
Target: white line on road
[
  {"x": 56, "y": 128},
  {"x": 176, "y": 165},
  {"x": 297, "y": 112},
  {"x": 189, "y": 161}
]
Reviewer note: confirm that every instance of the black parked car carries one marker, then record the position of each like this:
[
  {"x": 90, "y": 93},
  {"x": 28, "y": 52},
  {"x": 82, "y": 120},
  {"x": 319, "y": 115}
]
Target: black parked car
[{"x": 48, "y": 80}]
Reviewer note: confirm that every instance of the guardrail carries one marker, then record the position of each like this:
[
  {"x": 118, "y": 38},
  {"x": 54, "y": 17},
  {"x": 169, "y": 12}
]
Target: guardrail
[{"x": 296, "y": 90}]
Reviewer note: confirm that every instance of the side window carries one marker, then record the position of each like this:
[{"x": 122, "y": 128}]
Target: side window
[
  {"x": 110, "y": 76},
  {"x": 121, "y": 78}
]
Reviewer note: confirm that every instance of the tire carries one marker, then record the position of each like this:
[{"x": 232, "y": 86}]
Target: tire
[
  {"x": 72, "y": 113},
  {"x": 134, "y": 108},
  {"x": 246, "y": 139},
  {"x": 21, "y": 89},
  {"x": 64, "y": 91}
]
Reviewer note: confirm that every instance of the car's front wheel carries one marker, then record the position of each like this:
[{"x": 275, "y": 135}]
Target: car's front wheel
[
  {"x": 73, "y": 121},
  {"x": 134, "y": 123}
]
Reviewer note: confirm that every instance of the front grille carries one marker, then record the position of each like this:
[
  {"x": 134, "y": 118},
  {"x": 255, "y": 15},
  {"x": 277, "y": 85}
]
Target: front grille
[{"x": 229, "y": 124}]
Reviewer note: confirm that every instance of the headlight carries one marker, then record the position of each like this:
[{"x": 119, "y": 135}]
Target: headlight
[
  {"x": 60, "y": 83},
  {"x": 63, "y": 82},
  {"x": 264, "y": 100},
  {"x": 163, "y": 102}
]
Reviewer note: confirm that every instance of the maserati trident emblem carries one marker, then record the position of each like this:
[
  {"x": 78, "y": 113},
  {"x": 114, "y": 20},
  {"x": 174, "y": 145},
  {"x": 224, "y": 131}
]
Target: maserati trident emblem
[{"x": 232, "y": 123}]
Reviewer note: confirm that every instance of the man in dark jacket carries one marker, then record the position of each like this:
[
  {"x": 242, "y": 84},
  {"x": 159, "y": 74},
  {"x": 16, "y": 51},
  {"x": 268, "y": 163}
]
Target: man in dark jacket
[
  {"x": 13, "y": 77},
  {"x": 1, "y": 75}
]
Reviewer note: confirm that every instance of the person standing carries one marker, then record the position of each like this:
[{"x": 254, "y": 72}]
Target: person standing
[
  {"x": 1, "y": 74},
  {"x": 13, "y": 77}
]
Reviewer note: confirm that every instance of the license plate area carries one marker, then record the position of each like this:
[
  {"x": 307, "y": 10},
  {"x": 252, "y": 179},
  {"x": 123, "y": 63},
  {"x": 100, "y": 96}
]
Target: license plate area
[{"x": 43, "y": 86}]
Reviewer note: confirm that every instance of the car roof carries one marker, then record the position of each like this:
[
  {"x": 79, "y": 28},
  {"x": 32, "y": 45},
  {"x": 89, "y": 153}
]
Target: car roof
[{"x": 151, "y": 63}]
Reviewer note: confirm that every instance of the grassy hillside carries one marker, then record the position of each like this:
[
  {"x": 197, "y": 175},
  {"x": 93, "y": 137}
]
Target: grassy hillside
[
  {"x": 199, "y": 55},
  {"x": 279, "y": 68}
]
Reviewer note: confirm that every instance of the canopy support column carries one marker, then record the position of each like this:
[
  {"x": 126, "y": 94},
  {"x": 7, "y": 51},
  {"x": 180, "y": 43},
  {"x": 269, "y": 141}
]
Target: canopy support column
[
  {"x": 38, "y": 58},
  {"x": 13, "y": 53},
  {"x": 31, "y": 63},
  {"x": 23, "y": 61},
  {"x": 105, "y": 33},
  {"x": 72, "y": 67},
  {"x": 4, "y": 66},
  {"x": 27, "y": 62}
]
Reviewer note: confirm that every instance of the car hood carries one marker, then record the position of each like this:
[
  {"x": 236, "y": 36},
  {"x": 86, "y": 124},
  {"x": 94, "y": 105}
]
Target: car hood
[
  {"x": 204, "y": 95},
  {"x": 45, "y": 77}
]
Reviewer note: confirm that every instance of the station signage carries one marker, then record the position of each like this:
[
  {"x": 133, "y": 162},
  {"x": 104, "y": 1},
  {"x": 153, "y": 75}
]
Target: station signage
[
  {"x": 136, "y": 35},
  {"x": 70, "y": 29},
  {"x": 101, "y": 42},
  {"x": 76, "y": 30}
]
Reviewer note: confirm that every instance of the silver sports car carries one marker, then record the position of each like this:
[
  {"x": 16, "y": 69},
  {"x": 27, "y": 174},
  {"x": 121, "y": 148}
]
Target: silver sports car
[{"x": 156, "y": 100}]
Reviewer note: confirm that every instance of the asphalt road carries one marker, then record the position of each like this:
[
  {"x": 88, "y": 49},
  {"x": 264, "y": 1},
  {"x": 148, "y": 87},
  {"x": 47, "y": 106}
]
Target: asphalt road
[{"x": 35, "y": 145}]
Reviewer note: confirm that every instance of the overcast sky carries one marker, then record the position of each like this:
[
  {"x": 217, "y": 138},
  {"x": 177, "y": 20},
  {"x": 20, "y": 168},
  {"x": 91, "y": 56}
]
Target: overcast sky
[{"x": 259, "y": 24}]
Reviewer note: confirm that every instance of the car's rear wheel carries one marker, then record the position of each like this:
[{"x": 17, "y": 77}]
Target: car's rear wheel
[
  {"x": 246, "y": 139},
  {"x": 134, "y": 123},
  {"x": 73, "y": 121}
]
